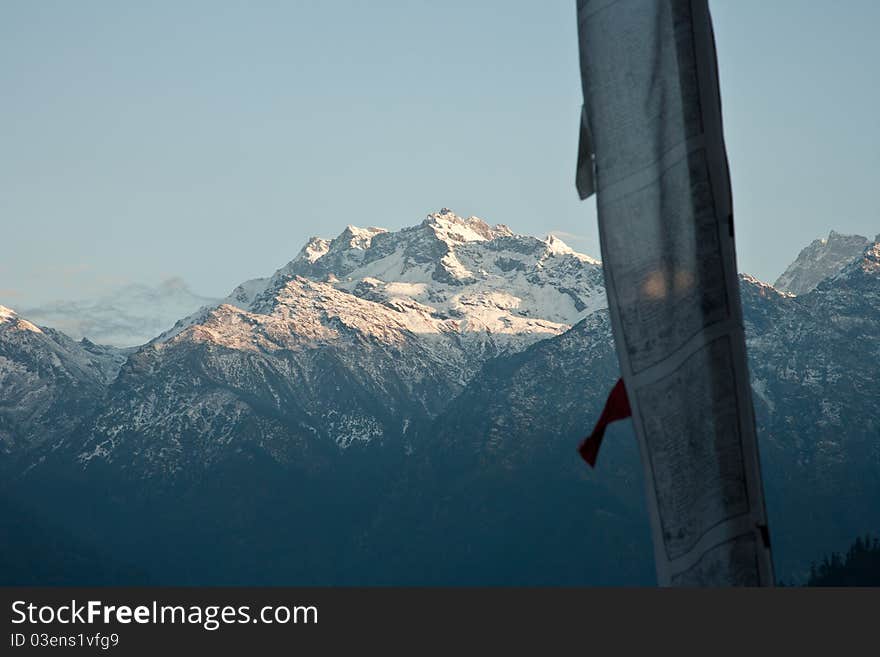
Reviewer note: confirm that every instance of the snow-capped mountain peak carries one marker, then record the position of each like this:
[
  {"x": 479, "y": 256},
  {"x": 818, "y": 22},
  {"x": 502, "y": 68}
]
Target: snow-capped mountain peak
[
  {"x": 354, "y": 237},
  {"x": 556, "y": 245},
  {"x": 315, "y": 248},
  {"x": 451, "y": 229},
  {"x": 477, "y": 288},
  {"x": 9, "y": 316},
  {"x": 821, "y": 259}
]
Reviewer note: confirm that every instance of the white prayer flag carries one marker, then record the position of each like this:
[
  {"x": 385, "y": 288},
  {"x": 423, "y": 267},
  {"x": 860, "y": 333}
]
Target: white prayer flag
[{"x": 652, "y": 149}]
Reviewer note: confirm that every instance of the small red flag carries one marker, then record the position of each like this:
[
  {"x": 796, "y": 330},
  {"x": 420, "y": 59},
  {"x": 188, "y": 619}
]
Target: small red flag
[{"x": 616, "y": 408}]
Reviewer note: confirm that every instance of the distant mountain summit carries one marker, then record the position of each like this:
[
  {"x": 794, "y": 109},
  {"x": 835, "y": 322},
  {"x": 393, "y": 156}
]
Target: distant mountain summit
[
  {"x": 821, "y": 259},
  {"x": 459, "y": 279}
]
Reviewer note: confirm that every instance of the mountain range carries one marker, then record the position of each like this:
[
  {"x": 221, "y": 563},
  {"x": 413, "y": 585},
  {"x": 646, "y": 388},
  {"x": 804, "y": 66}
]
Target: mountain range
[{"x": 403, "y": 408}]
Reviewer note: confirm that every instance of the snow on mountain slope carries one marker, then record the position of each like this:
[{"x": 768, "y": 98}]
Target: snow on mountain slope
[
  {"x": 49, "y": 382},
  {"x": 47, "y": 346},
  {"x": 129, "y": 316},
  {"x": 819, "y": 260},
  {"x": 447, "y": 276}
]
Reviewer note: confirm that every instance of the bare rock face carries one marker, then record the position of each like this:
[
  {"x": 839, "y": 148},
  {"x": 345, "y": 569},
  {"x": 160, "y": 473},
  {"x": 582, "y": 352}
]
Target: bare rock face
[{"x": 821, "y": 259}]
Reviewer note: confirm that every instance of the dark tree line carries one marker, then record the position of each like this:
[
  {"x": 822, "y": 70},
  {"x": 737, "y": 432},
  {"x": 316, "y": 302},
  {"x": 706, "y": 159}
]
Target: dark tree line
[{"x": 859, "y": 567}]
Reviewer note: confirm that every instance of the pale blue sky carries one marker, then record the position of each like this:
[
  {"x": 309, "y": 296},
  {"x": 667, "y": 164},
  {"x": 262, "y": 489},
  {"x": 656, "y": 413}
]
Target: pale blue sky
[{"x": 210, "y": 139}]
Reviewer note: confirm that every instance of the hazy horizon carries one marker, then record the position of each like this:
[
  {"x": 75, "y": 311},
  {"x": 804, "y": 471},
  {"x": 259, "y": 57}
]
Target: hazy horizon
[
  {"x": 180, "y": 283},
  {"x": 208, "y": 143}
]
